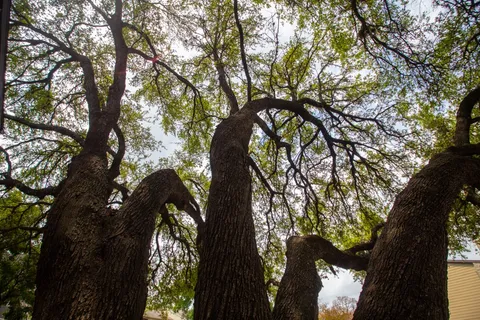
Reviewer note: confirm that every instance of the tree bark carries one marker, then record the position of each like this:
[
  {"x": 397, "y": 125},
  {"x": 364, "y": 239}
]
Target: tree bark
[
  {"x": 93, "y": 265},
  {"x": 70, "y": 258},
  {"x": 230, "y": 276},
  {"x": 297, "y": 296},
  {"x": 406, "y": 276}
]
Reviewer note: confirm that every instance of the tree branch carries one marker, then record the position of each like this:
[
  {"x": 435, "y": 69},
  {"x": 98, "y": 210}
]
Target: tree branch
[
  {"x": 464, "y": 117},
  {"x": 9, "y": 163},
  {"x": 59, "y": 129},
  {"x": 9, "y": 183},
  {"x": 35, "y": 229},
  {"x": 155, "y": 60},
  {"x": 47, "y": 127},
  {"x": 222, "y": 79},
  {"x": 325, "y": 250},
  {"x": 367, "y": 245},
  {"x": 123, "y": 190},
  {"x": 114, "y": 170},
  {"x": 160, "y": 187},
  {"x": 91, "y": 89},
  {"x": 242, "y": 50}
]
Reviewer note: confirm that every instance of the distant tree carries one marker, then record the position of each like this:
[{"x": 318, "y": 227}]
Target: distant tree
[{"x": 342, "y": 308}]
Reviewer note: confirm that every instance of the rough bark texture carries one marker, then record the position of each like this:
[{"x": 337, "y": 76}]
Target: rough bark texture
[
  {"x": 406, "y": 276},
  {"x": 69, "y": 259},
  {"x": 230, "y": 277},
  {"x": 297, "y": 297},
  {"x": 94, "y": 265}
]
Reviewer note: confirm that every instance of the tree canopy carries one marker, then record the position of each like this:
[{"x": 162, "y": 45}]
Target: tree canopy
[{"x": 349, "y": 100}]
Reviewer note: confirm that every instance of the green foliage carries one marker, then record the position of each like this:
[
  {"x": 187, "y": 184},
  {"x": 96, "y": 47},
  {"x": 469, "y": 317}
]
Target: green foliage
[
  {"x": 389, "y": 86},
  {"x": 19, "y": 252}
]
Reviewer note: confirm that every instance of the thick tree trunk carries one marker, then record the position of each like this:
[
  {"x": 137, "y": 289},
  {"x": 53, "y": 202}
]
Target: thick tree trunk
[
  {"x": 406, "y": 276},
  {"x": 70, "y": 259},
  {"x": 93, "y": 265},
  {"x": 297, "y": 297},
  {"x": 230, "y": 277}
]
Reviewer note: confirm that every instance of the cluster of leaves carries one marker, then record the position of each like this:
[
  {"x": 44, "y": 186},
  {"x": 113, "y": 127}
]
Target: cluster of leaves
[{"x": 20, "y": 228}]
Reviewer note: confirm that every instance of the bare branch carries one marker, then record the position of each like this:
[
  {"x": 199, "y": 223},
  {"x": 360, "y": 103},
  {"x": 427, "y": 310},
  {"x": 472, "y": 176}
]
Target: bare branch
[
  {"x": 242, "y": 50},
  {"x": 167, "y": 219}
]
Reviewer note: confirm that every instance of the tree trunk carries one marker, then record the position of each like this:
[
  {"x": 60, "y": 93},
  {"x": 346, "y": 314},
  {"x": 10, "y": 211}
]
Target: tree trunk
[
  {"x": 407, "y": 272},
  {"x": 230, "y": 276},
  {"x": 93, "y": 265},
  {"x": 297, "y": 297},
  {"x": 70, "y": 259}
]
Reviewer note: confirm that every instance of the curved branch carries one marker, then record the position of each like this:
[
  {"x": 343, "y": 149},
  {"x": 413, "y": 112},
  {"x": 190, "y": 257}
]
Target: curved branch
[
  {"x": 9, "y": 183},
  {"x": 367, "y": 245},
  {"x": 47, "y": 127},
  {"x": 325, "y": 250},
  {"x": 123, "y": 190},
  {"x": 155, "y": 60},
  {"x": 464, "y": 117},
  {"x": 160, "y": 187}
]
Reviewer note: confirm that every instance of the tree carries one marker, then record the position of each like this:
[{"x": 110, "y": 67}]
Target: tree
[
  {"x": 303, "y": 134},
  {"x": 341, "y": 309}
]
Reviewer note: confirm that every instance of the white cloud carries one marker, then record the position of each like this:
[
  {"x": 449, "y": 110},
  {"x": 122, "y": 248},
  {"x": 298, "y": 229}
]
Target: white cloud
[{"x": 340, "y": 285}]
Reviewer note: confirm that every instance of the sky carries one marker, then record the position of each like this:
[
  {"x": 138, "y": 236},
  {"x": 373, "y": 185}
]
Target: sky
[{"x": 344, "y": 285}]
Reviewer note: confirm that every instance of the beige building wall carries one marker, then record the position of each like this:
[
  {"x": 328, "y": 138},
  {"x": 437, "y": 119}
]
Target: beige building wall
[{"x": 464, "y": 290}]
